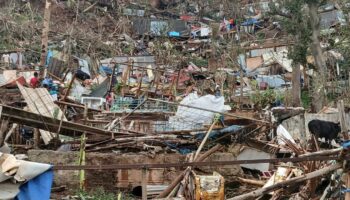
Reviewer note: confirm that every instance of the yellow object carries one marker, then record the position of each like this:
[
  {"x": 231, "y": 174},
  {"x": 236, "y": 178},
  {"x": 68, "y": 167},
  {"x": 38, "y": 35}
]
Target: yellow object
[
  {"x": 82, "y": 162},
  {"x": 210, "y": 187}
]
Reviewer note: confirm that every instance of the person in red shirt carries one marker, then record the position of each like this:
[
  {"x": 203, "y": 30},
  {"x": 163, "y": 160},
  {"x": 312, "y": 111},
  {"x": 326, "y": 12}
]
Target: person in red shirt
[{"x": 34, "y": 82}]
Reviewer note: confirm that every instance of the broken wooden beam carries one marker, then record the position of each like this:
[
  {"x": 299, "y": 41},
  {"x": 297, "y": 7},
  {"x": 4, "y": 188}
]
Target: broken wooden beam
[
  {"x": 322, "y": 153},
  {"x": 199, "y": 163},
  {"x": 69, "y": 87},
  {"x": 251, "y": 181},
  {"x": 256, "y": 193},
  {"x": 19, "y": 116}
]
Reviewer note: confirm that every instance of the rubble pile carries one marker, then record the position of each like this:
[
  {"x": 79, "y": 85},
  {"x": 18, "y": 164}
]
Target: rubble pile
[{"x": 170, "y": 99}]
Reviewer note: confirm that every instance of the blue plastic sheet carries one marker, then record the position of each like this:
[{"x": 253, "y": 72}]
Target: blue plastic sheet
[
  {"x": 174, "y": 34},
  {"x": 181, "y": 150},
  {"x": 48, "y": 57},
  {"x": 217, "y": 133},
  {"x": 213, "y": 135},
  {"x": 38, "y": 188},
  {"x": 250, "y": 22},
  {"x": 346, "y": 144}
]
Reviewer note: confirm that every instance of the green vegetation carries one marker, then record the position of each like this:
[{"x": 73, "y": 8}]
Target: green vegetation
[
  {"x": 261, "y": 99},
  {"x": 118, "y": 88},
  {"x": 200, "y": 62},
  {"x": 306, "y": 99},
  {"x": 101, "y": 194}
]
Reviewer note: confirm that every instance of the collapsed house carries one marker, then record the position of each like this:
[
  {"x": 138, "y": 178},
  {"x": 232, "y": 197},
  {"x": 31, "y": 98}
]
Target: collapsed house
[{"x": 193, "y": 106}]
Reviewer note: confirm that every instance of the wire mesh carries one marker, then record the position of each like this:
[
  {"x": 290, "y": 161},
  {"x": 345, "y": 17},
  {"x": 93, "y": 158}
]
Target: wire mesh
[{"x": 128, "y": 104}]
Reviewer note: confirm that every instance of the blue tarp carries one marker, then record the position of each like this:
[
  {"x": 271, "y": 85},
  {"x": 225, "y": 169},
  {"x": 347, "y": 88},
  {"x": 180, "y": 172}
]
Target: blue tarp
[
  {"x": 48, "y": 57},
  {"x": 174, "y": 34},
  {"x": 105, "y": 69},
  {"x": 249, "y": 22},
  {"x": 37, "y": 188},
  {"x": 200, "y": 136},
  {"x": 181, "y": 150},
  {"x": 217, "y": 133}
]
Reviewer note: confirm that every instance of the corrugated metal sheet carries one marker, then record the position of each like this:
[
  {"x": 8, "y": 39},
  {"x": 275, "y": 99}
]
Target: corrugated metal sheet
[
  {"x": 157, "y": 27},
  {"x": 260, "y": 52},
  {"x": 141, "y": 61},
  {"x": 330, "y": 18}
]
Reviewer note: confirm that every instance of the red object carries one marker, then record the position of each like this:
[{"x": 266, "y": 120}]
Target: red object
[
  {"x": 263, "y": 86},
  {"x": 34, "y": 82},
  {"x": 187, "y": 18},
  {"x": 13, "y": 83}
]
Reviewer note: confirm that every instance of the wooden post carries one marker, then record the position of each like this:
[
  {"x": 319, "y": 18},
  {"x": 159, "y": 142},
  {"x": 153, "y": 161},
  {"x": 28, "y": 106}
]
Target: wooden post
[
  {"x": 178, "y": 179},
  {"x": 347, "y": 194},
  {"x": 82, "y": 153},
  {"x": 85, "y": 113},
  {"x": 241, "y": 87},
  {"x": 59, "y": 128},
  {"x": 157, "y": 79},
  {"x": 112, "y": 77},
  {"x": 20, "y": 61},
  {"x": 140, "y": 84},
  {"x": 342, "y": 119},
  {"x": 4, "y": 125},
  {"x": 349, "y": 79},
  {"x": 205, "y": 139},
  {"x": 344, "y": 130},
  {"x": 125, "y": 77},
  {"x": 144, "y": 184},
  {"x": 177, "y": 81},
  {"x": 12, "y": 130},
  {"x": 36, "y": 138},
  {"x": 45, "y": 35},
  {"x": 69, "y": 87}
]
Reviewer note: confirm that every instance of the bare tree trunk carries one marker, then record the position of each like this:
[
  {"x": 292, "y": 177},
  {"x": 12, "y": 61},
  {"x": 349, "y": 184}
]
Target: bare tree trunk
[
  {"x": 319, "y": 79},
  {"x": 45, "y": 35},
  {"x": 306, "y": 78},
  {"x": 296, "y": 90}
]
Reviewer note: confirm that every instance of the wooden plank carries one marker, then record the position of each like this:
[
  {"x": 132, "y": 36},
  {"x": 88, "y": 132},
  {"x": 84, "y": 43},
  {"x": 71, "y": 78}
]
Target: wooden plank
[
  {"x": 342, "y": 119},
  {"x": 40, "y": 101},
  {"x": 69, "y": 87},
  {"x": 34, "y": 120},
  {"x": 345, "y": 132}
]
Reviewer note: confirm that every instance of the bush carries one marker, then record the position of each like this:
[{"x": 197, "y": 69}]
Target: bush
[
  {"x": 306, "y": 99},
  {"x": 261, "y": 99}
]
